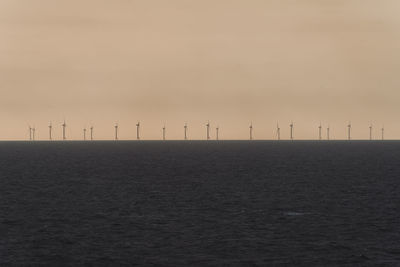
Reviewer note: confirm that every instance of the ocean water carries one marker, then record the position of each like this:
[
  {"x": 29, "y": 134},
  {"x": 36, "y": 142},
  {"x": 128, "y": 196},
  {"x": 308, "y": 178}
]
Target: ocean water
[{"x": 196, "y": 203}]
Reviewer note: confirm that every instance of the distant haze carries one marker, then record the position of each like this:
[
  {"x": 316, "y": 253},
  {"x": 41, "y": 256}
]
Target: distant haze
[{"x": 98, "y": 62}]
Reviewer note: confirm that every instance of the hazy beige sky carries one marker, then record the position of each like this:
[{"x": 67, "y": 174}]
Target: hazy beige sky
[{"x": 97, "y": 62}]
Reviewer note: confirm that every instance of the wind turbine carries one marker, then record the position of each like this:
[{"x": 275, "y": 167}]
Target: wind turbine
[
  {"x": 320, "y": 131},
  {"x": 33, "y": 132},
  {"x": 84, "y": 134},
  {"x": 163, "y": 132},
  {"x": 291, "y": 130},
  {"x": 278, "y": 131},
  {"x": 327, "y": 132},
  {"x": 185, "y": 130},
  {"x": 116, "y": 131},
  {"x": 137, "y": 130},
  {"x": 30, "y": 133},
  {"x": 370, "y": 132},
  {"x": 63, "y": 131},
  {"x": 383, "y": 132},
  {"x": 217, "y": 132},
  {"x": 349, "y": 131},
  {"x": 251, "y": 130},
  {"x": 91, "y": 133},
  {"x": 50, "y": 128},
  {"x": 208, "y": 130}
]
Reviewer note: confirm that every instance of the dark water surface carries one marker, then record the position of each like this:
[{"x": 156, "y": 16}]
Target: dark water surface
[{"x": 200, "y": 203}]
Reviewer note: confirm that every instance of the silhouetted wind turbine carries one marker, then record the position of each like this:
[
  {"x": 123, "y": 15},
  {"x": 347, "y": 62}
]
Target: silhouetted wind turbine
[
  {"x": 327, "y": 132},
  {"x": 63, "y": 131},
  {"x": 208, "y": 130},
  {"x": 185, "y": 130},
  {"x": 251, "y": 130},
  {"x": 30, "y": 133},
  {"x": 278, "y": 131},
  {"x": 217, "y": 133},
  {"x": 163, "y": 132},
  {"x": 50, "y": 129},
  {"x": 33, "y": 133},
  {"x": 349, "y": 130},
  {"x": 291, "y": 131},
  {"x": 320, "y": 131},
  {"x": 370, "y": 132},
  {"x": 116, "y": 131},
  {"x": 84, "y": 134},
  {"x": 137, "y": 130},
  {"x": 383, "y": 132},
  {"x": 91, "y": 133}
]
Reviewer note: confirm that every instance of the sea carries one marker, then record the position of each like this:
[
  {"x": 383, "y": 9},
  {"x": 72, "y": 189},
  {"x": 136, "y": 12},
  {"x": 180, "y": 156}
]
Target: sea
[{"x": 200, "y": 203}]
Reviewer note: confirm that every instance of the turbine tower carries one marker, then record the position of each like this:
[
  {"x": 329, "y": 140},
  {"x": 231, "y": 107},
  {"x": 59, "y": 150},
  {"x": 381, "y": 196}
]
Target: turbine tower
[
  {"x": 116, "y": 131},
  {"x": 91, "y": 133},
  {"x": 63, "y": 131},
  {"x": 278, "y": 131},
  {"x": 84, "y": 134},
  {"x": 291, "y": 131},
  {"x": 33, "y": 133},
  {"x": 251, "y": 130},
  {"x": 383, "y": 132},
  {"x": 320, "y": 131},
  {"x": 208, "y": 130},
  {"x": 185, "y": 130},
  {"x": 349, "y": 131},
  {"x": 217, "y": 132},
  {"x": 137, "y": 130},
  {"x": 327, "y": 133},
  {"x": 370, "y": 132},
  {"x": 30, "y": 133},
  {"x": 50, "y": 129},
  {"x": 163, "y": 132}
]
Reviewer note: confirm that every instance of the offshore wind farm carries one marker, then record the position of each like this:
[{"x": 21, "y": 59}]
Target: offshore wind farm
[
  {"x": 276, "y": 135},
  {"x": 199, "y": 133}
]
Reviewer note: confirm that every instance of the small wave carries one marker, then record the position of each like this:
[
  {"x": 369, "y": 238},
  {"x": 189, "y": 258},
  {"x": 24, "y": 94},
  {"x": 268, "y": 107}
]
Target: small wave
[{"x": 292, "y": 213}]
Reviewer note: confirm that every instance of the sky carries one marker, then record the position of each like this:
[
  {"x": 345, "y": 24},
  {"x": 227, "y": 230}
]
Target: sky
[{"x": 230, "y": 62}]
